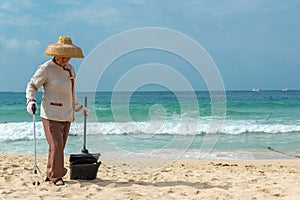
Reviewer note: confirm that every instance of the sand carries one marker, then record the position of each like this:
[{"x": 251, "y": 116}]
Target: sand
[{"x": 159, "y": 179}]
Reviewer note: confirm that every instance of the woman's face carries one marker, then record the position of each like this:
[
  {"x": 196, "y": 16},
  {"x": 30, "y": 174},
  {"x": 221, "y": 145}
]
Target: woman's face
[{"x": 62, "y": 61}]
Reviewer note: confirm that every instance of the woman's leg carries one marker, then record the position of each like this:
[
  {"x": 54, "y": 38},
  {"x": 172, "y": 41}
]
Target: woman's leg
[{"x": 56, "y": 134}]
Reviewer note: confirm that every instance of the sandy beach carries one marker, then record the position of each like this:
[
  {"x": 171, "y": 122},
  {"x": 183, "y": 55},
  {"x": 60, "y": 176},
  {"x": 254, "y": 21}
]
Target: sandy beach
[{"x": 138, "y": 178}]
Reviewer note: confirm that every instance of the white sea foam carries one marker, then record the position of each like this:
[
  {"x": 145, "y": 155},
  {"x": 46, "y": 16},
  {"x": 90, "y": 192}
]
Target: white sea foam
[
  {"x": 20, "y": 131},
  {"x": 24, "y": 130}
]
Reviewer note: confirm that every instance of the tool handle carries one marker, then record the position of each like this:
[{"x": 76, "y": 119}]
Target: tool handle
[
  {"x": 33, "y": 108},
  {"x": 34, "y": 136},
  {"x": 84, "y": 150}
]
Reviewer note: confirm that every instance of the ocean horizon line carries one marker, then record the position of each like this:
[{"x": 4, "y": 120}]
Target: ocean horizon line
[{"x": 110, "y": 91}]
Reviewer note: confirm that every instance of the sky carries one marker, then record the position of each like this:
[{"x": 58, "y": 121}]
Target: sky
[{"x": 253, "y": 43}]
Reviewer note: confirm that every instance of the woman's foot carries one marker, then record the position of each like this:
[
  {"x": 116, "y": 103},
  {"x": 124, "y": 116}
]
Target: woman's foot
[{"x": 59, "y": 182}]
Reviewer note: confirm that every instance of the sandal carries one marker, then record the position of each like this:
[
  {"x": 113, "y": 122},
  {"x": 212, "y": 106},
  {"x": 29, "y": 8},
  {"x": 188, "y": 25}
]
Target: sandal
[
  {"x": 59, "y": 182},
  {"x": 47, "y": 179}
]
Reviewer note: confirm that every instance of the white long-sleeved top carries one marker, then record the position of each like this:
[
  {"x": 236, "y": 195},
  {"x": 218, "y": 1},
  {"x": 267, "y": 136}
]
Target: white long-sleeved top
[{"x": 59, "y": 99}]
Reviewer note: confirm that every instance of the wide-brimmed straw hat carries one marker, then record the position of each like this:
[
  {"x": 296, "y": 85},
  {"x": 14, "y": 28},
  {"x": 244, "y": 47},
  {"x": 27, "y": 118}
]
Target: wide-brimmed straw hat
[{"x": 64, "y": 48}]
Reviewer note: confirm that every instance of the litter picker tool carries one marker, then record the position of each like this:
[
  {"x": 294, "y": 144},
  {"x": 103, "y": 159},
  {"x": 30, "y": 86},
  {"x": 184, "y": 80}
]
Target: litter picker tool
[{"x": 33, "y": 108}]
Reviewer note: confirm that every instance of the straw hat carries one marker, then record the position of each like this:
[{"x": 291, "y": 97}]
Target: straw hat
[{"x": 64, "y": 47}]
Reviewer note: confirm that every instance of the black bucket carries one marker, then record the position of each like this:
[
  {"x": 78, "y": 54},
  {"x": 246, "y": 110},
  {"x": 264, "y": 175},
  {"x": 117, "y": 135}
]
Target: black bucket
[{"x": 84, "y": 166}]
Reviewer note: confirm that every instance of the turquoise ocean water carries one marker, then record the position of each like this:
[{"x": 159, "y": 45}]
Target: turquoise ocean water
[{"x": 160, "y": 124}]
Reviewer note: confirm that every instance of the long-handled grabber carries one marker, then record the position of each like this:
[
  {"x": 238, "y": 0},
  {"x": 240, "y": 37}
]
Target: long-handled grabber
[{"x": 34, "y": 137}]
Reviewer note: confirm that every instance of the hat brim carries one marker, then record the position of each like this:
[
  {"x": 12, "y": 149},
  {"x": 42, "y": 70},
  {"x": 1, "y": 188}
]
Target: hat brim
[{"x": 63, "y": 50}]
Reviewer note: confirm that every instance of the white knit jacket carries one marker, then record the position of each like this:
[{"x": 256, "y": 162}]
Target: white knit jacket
[{"x": 59, "y": 99}]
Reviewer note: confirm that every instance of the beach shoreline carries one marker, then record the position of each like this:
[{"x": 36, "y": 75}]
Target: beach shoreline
[{"x": 156, "y": 178}]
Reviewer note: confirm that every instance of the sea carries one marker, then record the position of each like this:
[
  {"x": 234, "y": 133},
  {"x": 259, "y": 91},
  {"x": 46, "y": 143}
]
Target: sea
[{"x": 165, "y": 124}]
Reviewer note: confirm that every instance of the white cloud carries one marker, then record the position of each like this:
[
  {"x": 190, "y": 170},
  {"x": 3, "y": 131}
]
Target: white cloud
[
  {"x": 14, "y": 5},
  {"x": 27, "y": 46},
  {"x": 17, "y": 13},
  {"x": 6, "y": 43},
  {"x": 12, "y": 43},
  {"x": 89, "y": 14}
]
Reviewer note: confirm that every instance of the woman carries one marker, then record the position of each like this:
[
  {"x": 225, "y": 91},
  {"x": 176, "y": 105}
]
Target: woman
[{"x": 57, "y": 77}]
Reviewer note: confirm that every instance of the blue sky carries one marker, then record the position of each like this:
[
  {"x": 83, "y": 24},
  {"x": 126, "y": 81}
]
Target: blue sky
[{"x": 254, "y": 43}]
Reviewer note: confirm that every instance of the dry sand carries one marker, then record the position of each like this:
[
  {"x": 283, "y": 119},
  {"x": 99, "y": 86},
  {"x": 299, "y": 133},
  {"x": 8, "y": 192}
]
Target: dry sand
[{"x": 160, "y": 179}]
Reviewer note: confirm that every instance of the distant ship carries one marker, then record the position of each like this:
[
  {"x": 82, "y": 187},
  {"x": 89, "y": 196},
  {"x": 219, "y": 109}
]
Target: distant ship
[
  {"x": 285, "y": 90},
  {"x": 255, "y": 90}
]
